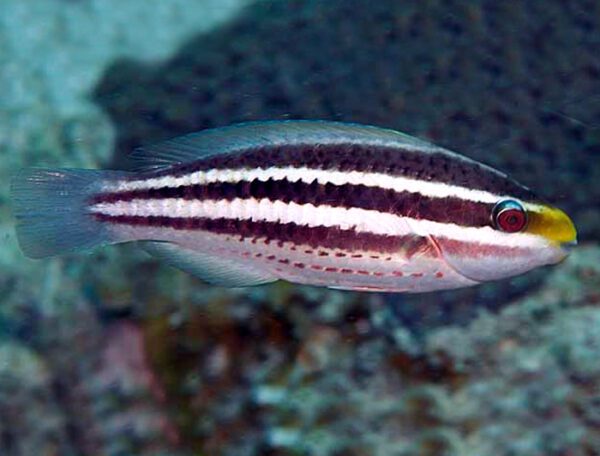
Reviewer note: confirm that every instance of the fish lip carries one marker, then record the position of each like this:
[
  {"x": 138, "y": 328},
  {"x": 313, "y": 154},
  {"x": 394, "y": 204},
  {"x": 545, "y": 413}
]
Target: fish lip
[{"x": 567, "y": 247}]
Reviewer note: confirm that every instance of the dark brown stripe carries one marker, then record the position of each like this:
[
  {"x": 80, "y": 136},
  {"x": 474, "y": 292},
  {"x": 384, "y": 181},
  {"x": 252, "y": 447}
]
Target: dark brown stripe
[
  {"x": 316, "y": 237},
  {"x": 435, "y": 166},
  {"x": 414, "y": 205}
]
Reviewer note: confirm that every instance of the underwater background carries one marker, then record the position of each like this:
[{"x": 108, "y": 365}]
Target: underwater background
[{"x": 115, "y": 354}]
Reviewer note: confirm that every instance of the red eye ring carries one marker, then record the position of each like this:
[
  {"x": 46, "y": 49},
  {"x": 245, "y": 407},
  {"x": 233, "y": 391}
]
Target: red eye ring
[{"x": 509, "y": 216}]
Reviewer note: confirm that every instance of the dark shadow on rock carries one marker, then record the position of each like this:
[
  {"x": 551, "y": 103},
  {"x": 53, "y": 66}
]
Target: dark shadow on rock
[{"x": 501, "y": 82}]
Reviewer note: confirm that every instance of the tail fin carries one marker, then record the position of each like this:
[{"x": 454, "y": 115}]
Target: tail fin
[{"x": 50, "y": 207}]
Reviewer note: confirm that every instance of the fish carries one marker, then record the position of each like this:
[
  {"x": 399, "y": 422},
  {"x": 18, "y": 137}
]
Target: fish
[{"x": 341, "y": 205}]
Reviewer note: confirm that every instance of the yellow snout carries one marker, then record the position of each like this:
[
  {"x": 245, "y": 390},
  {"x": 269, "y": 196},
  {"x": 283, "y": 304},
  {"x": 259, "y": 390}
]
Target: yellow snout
[{"x": 553, "y": 224}]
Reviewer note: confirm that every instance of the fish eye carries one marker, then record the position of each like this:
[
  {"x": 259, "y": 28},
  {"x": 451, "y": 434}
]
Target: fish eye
[{"x": 509, "y": 216}]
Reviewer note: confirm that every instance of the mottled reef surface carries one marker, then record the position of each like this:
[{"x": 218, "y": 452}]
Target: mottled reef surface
[
  {"x": 282, "y": 370},
  {"x": 114, "y": 354}
]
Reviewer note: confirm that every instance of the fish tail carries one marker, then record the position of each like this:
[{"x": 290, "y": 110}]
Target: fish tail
[{"x": 51, "y": 208}]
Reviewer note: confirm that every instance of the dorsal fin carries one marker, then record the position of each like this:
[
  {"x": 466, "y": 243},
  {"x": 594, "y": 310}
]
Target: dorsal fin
[{"x": 236, "y": 138}]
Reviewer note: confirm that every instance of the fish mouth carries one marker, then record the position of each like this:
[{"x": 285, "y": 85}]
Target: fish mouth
[
  {"x": 569, "y": 246},
  {"x": 565, "y": 249}
]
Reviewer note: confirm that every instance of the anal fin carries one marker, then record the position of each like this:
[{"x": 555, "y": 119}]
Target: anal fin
[{"x": 212, "y": 269}]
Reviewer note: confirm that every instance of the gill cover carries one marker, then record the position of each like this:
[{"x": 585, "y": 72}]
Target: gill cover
[{"x": 483, "y": 263}]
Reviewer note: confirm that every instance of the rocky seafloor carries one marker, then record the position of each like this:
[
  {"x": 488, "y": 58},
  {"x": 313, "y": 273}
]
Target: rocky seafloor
[
  {"x": 115, "y": 354},
  {"x": 282, "y": 370}
]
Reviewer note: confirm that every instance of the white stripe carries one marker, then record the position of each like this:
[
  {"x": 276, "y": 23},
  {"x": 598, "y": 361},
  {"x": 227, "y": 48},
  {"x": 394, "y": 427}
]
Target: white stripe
[
  {"x": 308, "y": 175},
  {"x": 361, "y": 220}
]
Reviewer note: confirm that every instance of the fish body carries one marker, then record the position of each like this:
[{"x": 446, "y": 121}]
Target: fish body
[{"x": 322, "y": 203}]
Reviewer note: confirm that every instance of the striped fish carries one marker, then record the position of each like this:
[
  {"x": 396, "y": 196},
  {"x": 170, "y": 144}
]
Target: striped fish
[{"x": 324, "y": 203}]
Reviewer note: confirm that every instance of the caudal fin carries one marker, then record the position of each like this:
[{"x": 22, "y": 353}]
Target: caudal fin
[{"x": 50, "y": 207}]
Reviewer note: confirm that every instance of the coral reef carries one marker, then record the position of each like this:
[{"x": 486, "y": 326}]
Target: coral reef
[
  {"x": 113, "y": 354},
  {"x": 306, "y": 376},
  {"x": 286, "y": 370},
  {"x": 82, "y": 386},
  {"x": 53, "y": 53},
  {"x": 31, "y": 421}
]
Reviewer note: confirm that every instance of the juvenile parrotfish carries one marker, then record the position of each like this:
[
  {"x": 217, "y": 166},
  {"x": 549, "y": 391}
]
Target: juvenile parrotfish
[{"x": 323, "y": 203}]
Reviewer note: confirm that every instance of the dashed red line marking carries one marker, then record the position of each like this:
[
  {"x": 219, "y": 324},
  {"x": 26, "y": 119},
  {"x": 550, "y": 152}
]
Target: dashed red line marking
[
  {"x": 321, "y": 253},
  {"x": 439, "y": 274},
  {"x": 316, "y": 267}
]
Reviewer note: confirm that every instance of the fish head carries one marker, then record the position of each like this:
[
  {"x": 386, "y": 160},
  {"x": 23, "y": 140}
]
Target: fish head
[{"x": 520, "y": 236}]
